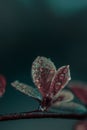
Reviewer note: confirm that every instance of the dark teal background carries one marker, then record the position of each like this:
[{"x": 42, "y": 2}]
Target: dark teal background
[{"x": 53, "y": 28}]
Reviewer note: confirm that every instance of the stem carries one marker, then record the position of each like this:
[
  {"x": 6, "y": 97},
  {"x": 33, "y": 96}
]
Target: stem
[{"x": 38, "y": 114}]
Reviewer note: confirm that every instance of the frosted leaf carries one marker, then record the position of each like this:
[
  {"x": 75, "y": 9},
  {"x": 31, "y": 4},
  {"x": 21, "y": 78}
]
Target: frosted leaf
[
  {"x": 28, "y": 90},
  {"x": 61, "y": 78},
  {"x": 63, "y": 96},
  {"x": 69, "y": 107},
  {"x": 43, "y": 70}
]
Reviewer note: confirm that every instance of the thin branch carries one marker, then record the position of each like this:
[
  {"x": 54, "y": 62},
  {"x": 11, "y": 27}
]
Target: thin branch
[{"x": 38, "y": 114}]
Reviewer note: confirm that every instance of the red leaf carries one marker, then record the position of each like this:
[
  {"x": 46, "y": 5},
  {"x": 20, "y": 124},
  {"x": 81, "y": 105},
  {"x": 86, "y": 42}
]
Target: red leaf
[
  {"x": 80, "y": 90},
  {"x": 43, "y": 71},
  {"x": 2, "y": 85},
  {"x": 60, "y": 79},
  {"x": 81, "y": 125}
]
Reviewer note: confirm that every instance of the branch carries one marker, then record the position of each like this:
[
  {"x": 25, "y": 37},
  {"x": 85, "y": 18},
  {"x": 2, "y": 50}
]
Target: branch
[{"x": 38, "y": 114}]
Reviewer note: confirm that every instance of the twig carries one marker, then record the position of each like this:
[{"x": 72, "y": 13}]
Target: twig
[{"x": 38, "y": 114}]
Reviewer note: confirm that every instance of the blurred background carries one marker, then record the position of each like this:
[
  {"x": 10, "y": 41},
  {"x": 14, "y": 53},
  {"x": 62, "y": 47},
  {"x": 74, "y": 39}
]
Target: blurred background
[{"x": 28, "y": 28}]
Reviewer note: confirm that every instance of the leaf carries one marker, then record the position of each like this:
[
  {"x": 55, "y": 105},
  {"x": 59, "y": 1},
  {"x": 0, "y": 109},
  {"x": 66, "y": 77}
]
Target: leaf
[
  {"x": 80, "y": 90},
  {"x": 69, "y": 107},
  {"x": 61, "y": 78},
  {"x": 81, "y": 125},
  {"x": 43, "y": 70},
  {"x": 2, "y": 85},
  {"x": 28, "y": 90},
  {"x": 63, "y": 96}
]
